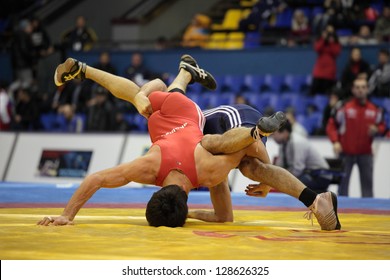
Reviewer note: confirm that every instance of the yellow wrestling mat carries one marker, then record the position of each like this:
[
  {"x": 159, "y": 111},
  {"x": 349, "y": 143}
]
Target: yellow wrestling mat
[{"x": 105, "y": 234}]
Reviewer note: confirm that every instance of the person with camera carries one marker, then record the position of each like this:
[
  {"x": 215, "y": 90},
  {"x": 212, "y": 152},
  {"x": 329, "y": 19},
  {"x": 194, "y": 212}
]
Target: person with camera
[{"x": 328, "y": 49}]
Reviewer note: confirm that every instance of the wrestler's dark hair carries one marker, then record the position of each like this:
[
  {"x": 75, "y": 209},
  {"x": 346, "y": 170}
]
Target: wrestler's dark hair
[{"x": 167, "y": 207}]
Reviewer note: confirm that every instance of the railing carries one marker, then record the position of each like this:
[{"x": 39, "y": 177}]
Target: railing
[{"x": 142, "y": 11}]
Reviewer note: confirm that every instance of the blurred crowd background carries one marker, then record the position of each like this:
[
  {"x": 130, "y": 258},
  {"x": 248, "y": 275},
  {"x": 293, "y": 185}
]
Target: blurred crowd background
[{"x": 34, "y": 39}]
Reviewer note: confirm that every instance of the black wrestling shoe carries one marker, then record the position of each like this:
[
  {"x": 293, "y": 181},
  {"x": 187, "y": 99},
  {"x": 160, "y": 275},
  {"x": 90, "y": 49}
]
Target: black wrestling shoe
[
  {"x": 198, "y": 74},
  {"x": 268, "y": 125},
  {"x": 69, "y": 70}
]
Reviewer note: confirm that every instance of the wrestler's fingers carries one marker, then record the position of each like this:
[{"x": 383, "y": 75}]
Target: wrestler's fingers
[
  {"x": 149, "y": 111},
  {"x": 254, "y": 194},
  {"x": 146, "y": 115},
  {"x": 252, "y": 186},
  {"x": 45, "y": 221}
]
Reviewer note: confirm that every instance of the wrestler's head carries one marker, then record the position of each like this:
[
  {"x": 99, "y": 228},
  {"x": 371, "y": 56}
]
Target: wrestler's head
[{"x": 167, "y": 207}]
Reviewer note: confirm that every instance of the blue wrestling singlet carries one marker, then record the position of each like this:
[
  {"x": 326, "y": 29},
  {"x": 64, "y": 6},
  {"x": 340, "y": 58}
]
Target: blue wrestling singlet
[{"x": 226, "y": 117}]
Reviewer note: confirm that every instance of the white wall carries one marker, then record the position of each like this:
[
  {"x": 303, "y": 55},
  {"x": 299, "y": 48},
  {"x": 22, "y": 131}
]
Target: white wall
[
  {"x": 6, "y": 143},
  {"x": 110, "y": 150},
  {"x": 24, "y": 163}
]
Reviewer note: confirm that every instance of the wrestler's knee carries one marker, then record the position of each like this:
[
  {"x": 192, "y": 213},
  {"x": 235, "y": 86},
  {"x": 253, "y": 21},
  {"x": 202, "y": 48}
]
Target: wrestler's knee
[{"x": 250, "y": 165}]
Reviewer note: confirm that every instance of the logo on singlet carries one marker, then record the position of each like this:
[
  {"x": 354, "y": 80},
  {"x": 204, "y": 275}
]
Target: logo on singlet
[{"x": 175, "y": 129}]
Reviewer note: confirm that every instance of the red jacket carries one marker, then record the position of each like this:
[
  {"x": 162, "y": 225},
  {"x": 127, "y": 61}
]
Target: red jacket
[
  {"x": 350, "y": 124},
  {"x": 325, "y": 66}
]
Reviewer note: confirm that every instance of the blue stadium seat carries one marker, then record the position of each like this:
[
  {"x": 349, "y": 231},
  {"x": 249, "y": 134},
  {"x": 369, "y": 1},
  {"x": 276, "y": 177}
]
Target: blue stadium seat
[
  {"x": 311, "y": 122},
  {"x": 306, "y": 11},
  {"x": 199, "y": 99},
  {"x": 140, "y": 122},
  {"x": 344, "y": 32},
  {"x": 386, "y": 104},
  {"x": 378, "y": 7},
  {"x": 253, "y": 83},
  {"x": 284, "y": 19},
  {"x": 272, "y": 83},
  {"x": 48, "y": 121},
  {"x": 252, "y": 40},
  {"x": 233, "y": 83},
  {"x": 270, "y": 99},
  {"x": 129, "y": 118},
  {"x": 378, "y": 101},
  {"x": 296, "y": 101},
  {"x": 305, "y": 88},
  {"x": 216, "y": 99},
  {"x": 320, "y": 101},
  {"x": 316, "y": 11},
  {"x": 253, "y": 98},
  {"x": 195, "y": 88},
  {"x": 387, "y": 119},
  {"x": 220, "y": 79},
  {"x": 293, "y": 83}
]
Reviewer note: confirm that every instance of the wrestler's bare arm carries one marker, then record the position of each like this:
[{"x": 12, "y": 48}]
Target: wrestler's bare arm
[
  {"x": 141, "y": 170},
  {"x": 222, "y": 203},
  {"x": 218, "y": 166}
]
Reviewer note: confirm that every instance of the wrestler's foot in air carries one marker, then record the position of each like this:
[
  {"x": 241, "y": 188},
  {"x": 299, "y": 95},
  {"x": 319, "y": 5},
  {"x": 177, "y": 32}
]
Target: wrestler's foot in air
[
  {"x": 198, "y": 74},
  {"x": 324, "y": 208},
  {"x": 268, "y": 125},
  {"x": 69, "y": 70}
]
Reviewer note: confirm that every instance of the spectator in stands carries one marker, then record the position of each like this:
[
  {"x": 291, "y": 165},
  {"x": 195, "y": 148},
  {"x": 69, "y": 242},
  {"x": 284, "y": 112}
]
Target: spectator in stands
[
  {"x": 322, "y": 20},
  {"x": 356, "y": 67},
  {"x": 334, "y": 103},
  {"x": 41, "y": 41},
  {"x": 351, "y": 130},
  {"x": 364, "y": 37},
  {"x": 240, "y": 99},
  {"x": 80, "y": 37},
  {"x": 339, "y": 13},
  {"x": 136, "y": 71},
  {"x": 324, "y": 73},
  {"x": 5, "y": 108},
  {"x": 198, "y": 32},
  {"x": 105, "y": 64},
  {"x": 100, "y": 111},
  {"x": 297, "y": 155},
  {"x": 76, "y": 93},
  {"x": 297, "y": 127},
  {"x": 67, "y": 120},
  {"x": 119, "y": 123},
  {"x": 264, "y": 11},
  {"x": 161, "y": 43},
  {"x": 382, "y": 26},
  {"x": 22, "y": 57},
  {"x": 26, "y": 111},
  {"x": 300, "y": 28},
  {"x": 379, "y": 82}
]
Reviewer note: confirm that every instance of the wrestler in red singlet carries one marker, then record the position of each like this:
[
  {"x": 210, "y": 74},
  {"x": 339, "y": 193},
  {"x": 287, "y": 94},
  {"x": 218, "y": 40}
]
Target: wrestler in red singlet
[{"x": 176, "y": 126}]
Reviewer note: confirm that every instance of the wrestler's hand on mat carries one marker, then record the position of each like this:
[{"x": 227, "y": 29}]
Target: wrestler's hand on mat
[
  {"x": 257, "y": 190},
  {"x": 56, "y": 221},
  {"x": 143, "y": 105}
]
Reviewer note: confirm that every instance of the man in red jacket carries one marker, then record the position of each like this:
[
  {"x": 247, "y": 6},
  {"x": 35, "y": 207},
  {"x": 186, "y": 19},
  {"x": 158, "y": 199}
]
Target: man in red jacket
[
  {"x": 351, "y": 130},
  {"x": 324, "y": 73}
]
